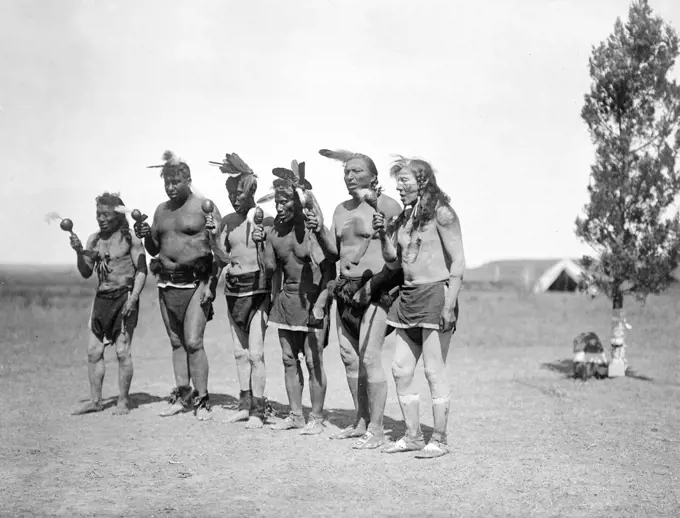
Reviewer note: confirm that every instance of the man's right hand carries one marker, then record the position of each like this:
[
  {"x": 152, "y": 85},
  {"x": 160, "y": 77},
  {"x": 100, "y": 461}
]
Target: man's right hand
[
  {"x": 210, "y": 223},
  {"x": 379, "y": 222},
  {"x": 311, "y": 221},
  {"x": 142, "y": 230},
  {"x": 76, "y": 244},
  {"x": 258, "y": 234}
]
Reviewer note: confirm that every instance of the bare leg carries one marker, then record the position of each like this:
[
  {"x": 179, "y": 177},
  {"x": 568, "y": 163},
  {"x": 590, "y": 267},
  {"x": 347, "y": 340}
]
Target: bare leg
[
  {"x": 349, "y": 352},
  {"x": 194, "y": 328},
  {"x": 406, "y": 356},
  {"x": 435, "y": 352},
  {"x": 181, "y": 396},
  {"x": 294, "y": 380},
  {"x": 243, "y": 371},
  {"x": 373, "y": 326},
  {"x": 95, "y": 370},
  {"x": 258, "y": 376},
  {"x": 317, "y": 381},
  {"x": 123, "y": 347}
]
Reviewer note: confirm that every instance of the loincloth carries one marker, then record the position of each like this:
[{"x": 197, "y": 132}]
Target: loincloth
[
  {"x": 419, "y": 306},
  {"x": 107, "y": 320},
  {"x": 176, "y": 300},
  {"x": 176, "y": 287},
  {"x": 245, "y": 295},
  {"x": 292, "y": 311},
  {"x": 350, "y": 313}
]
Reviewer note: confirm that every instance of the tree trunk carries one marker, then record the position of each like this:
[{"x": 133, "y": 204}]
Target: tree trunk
[{"x": 617, "y": 366}]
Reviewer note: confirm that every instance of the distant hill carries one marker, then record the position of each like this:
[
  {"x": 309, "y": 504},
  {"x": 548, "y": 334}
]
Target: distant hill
[{"x": 511, "y": 273}]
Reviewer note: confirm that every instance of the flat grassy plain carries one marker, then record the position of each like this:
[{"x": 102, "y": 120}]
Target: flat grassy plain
[{"x": 526, "y": 439}]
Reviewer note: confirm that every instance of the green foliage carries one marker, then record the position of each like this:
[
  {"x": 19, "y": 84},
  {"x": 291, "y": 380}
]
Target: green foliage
[{"x": 633, "y": 114}]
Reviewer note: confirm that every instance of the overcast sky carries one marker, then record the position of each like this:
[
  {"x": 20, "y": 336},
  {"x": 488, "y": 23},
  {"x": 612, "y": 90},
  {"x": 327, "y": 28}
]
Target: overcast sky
[{"x": 490, "y": 92}]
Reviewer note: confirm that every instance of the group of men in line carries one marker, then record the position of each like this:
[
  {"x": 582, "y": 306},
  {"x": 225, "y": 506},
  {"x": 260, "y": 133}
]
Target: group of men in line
[{"x": 388, "y": 268}]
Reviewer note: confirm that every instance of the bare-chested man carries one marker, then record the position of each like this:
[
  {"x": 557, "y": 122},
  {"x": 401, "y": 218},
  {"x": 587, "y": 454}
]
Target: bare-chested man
[
  {"x": 187, "y": 278},
  {"x": 120, "y": 264},
  {"x": 428, "y": 247},
  {"x": 300, "y": 309},
  {"x": 246, "y": 287},
  {"x": 361, "y": 325}
]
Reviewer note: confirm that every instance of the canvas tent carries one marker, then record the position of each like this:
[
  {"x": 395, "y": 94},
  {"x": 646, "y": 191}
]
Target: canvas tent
[{"x": 562, "y": 276}]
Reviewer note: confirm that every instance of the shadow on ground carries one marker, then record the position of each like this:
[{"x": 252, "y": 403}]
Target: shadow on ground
[
  {"x": 566, "y": 368},
  {"x": 343, "y": 417},
  {"x": 339, "y": 417}
]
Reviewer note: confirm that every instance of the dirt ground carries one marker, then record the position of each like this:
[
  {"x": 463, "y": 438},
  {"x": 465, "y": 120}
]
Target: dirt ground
[{"x": 526, "y": 440}]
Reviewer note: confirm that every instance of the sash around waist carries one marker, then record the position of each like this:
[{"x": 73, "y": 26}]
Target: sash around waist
[
  {"x": 298, "y": 287},
  {"x": 199, "y": 269},
  {"x": 116, "y": 292}
]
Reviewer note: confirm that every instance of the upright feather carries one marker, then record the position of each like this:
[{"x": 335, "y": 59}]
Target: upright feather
[{"x": 234, "y": 165}]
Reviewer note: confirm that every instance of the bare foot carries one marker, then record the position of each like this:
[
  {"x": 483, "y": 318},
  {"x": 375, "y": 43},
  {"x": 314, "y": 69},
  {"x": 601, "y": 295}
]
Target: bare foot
[
  {"x": 89, "y": 407},
  {"x": 349, "y": 433},
  {"x": 254, "y": 423},
  {"x": 241, "y": 415},
  {"x": 122, "y": 408}
]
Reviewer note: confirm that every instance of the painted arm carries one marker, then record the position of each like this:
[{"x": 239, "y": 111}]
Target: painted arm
[
  {"x": 85, "y": 262},
  {"x": 387, "y": 239},
  {"x": 388, "y": 232},
  {"x": 139, "y": 260},
  {"x": 219, "y": 244},
  {"x": 273, "y": 270},
  {"x": 448, "y": 227},
  {"x": 270, "y": 259}
]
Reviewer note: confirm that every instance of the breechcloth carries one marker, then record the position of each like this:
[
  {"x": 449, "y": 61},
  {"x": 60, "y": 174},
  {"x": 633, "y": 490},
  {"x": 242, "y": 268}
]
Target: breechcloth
[
  {"x": 107, "y": 320},
  {"x": 177, "y": 287},
  {"x": 351, "y": 312},
  {"x": 292, "y": 310},
  {"x": 419, "y": 306},
  {"x": 245, "y": 295}
]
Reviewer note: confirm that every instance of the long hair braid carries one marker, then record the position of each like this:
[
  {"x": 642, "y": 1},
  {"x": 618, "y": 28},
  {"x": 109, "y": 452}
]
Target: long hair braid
[{"x": 430, "y": 196}]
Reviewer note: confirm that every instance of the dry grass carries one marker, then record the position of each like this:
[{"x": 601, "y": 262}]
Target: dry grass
[{"x": 526, "y": 439}]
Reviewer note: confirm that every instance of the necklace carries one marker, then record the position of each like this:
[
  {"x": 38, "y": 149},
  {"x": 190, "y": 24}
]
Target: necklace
[
  {"x": 412, "y": 252},
  {"x": 102, "y": 261}
]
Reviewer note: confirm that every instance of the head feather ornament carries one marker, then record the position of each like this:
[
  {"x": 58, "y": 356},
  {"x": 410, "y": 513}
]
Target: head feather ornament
[
  {"x": 233, "y": 165},
  {"x": 172, "y": 163}
]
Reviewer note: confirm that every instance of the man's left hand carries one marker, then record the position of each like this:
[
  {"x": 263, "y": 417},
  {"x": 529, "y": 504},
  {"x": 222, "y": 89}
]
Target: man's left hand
[
  {"x": 447, "y": 320},
  {"x": 363, "y": 295},
  {"x": 207, "y": 295},
  {"x": 130, "y": 305}
]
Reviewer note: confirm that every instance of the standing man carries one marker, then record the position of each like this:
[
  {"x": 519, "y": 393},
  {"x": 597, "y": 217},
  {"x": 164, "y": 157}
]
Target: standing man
[
  {"x": 120, "y": 263},
  {"x": 246, "y": 287},
  {"x": 361, "y": 325},
  {"x": 300, "y": 309},
  {"x": 428, "y": 246},
  {"x": 187, "y": 278}
]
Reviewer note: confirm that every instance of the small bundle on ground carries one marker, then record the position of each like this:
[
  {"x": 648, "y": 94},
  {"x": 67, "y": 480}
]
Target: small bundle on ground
[{"x": 589, "y": 357}]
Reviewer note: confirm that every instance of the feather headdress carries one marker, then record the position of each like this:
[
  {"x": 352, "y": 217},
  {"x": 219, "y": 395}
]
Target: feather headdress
[
  {"x": 293, "y": 178},
  {"x": 295, "y": 175},
  {"x": 341, "y": 155},
  {"x": 173, "y": 163},
  {"x": 233, "y": 165}
]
